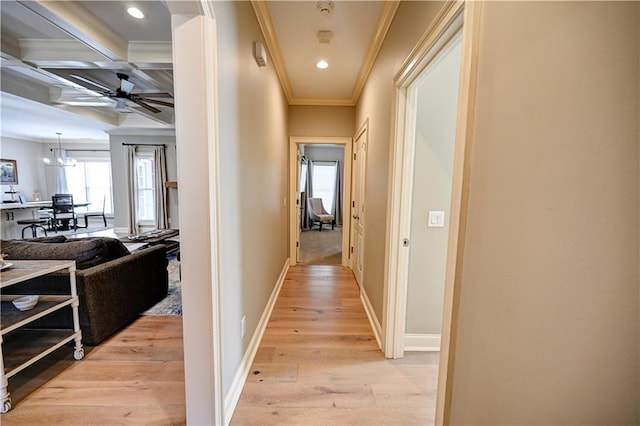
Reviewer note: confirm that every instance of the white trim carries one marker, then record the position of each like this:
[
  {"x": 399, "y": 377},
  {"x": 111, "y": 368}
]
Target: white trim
[
  {"x": 211, "y": 70},
  {"x": 294, "y": 141},
  {"x": 422, "y": 342},
  {"x": 233, "y": 396},
  {"x": 375, "y": 325}
]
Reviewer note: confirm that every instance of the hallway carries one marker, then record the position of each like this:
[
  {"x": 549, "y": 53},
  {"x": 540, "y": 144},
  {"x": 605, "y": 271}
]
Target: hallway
[{"x": 318, "y": 362}]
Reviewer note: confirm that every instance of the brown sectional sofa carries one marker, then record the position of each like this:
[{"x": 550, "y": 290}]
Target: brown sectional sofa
[{"x": 114, "y": 286}]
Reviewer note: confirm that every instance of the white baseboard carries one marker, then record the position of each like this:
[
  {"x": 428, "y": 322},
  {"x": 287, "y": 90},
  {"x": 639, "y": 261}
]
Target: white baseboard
[
  {"x": 233, "y": 396},
  {"x": 422, "y": 342},
  {"x": 375, "y": 325},
  {"x": 119, "y": 231}
]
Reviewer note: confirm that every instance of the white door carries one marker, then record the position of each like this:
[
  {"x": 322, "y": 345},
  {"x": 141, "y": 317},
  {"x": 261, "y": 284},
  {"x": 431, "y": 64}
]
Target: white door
[{"x": 356, "y": 260}]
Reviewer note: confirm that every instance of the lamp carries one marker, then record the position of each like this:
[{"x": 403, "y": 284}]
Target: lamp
[{"x": 62, "y": 160}]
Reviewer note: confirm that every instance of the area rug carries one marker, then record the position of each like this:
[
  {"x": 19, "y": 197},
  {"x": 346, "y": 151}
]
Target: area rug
[
  {"x": 172, "y": 304},
  {"x": 321, "y": 248}
]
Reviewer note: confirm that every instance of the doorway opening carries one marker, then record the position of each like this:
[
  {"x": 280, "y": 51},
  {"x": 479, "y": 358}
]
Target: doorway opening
[
  {"x": 320, "y": 190},
  {"x": 322, "y": 203},
  {"x": 453, "y": 38}
]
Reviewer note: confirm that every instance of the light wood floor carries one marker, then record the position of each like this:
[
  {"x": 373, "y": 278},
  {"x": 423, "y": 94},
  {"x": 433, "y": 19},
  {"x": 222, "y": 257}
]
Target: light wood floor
[
  {"x": 319, "y": 364},
  {"x": 136, "y": 377}
]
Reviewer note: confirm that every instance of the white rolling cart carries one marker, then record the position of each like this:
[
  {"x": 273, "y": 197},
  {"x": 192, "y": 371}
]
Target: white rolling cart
[{"x": 21, "y": 346}]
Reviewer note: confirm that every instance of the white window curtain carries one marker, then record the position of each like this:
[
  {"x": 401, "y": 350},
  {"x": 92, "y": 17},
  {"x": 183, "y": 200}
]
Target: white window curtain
[
  {"x": 160, "y": 176},
  {"x": 130, "y": 162},
  {"x": 59, "y": 173}
]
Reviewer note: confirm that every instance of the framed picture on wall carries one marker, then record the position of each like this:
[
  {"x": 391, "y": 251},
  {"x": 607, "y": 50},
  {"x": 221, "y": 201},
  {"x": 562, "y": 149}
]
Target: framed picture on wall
[{"x": 8, "y": 172}]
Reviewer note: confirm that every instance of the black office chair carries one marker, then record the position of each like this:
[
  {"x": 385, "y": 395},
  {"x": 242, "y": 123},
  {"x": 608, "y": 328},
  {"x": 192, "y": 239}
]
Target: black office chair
[{"x": 63, "y": 212}]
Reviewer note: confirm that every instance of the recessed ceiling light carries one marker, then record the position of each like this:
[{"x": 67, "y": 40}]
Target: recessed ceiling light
[
  {"x": 322, "y": 64},
  {"x": 135, "y": 12}
]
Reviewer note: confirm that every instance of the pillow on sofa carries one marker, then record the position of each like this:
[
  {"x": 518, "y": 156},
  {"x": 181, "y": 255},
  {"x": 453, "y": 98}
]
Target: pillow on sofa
[
  {"x": 56, "y": 239},
  {"x": 115, "y": 248},
  {"x": 85, "y": 253}
]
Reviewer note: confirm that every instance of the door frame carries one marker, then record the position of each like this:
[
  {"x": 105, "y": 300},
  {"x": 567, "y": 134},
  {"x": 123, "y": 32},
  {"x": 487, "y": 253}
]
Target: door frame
[
  {"x": 294, "y": 141},
  {"x": 452, "y": 18}
]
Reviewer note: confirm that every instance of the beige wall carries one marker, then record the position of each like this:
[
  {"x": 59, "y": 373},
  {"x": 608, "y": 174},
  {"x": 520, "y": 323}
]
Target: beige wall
[
  {"x": 321, "y": 120},
  {"x": 376, "y": 104},
  {"x": 253, "y": 179},
  {"x": 548, "y": 326}
]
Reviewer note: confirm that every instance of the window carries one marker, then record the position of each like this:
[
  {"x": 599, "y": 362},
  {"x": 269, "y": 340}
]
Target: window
[
  {"x": 90, "y": 181},
  {"x": 145, "y": 209},
  {"x": 324, "y": 183}
]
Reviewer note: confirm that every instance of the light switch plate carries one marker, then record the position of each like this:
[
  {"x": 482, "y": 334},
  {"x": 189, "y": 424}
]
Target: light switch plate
[{"x": 436, "y": 219}]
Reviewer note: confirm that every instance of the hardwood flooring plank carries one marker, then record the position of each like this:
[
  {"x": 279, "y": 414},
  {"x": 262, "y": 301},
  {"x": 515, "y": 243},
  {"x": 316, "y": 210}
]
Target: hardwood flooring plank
[
  {"x": 294, "y": 395},
  {"x": 122, "y": 414},
  {"x": 135, "y": 377},
  {"x": 320, "y": 328}
]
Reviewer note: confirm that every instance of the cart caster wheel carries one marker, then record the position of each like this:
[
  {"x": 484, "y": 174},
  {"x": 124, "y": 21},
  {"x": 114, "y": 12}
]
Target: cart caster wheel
[
  {"x": 78, "y": 354},
  {"x": 6, "y": 406}
]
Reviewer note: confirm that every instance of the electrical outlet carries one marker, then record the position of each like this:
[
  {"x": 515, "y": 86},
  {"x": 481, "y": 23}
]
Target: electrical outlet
[{"x": 243, "y": 325}]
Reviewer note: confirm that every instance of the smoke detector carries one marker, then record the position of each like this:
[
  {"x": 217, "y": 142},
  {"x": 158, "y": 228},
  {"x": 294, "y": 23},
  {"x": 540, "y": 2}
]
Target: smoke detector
[
  {"x": 325, "y": 7},
  {"x": 324, "y": 37}
]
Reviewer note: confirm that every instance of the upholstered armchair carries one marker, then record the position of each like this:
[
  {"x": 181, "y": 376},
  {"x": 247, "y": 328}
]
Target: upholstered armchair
[{"x": 319, "y": 215}]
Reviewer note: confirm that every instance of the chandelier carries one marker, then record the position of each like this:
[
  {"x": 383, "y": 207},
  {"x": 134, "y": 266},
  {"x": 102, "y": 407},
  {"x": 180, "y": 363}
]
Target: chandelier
[{"x": 60, "y": 156}]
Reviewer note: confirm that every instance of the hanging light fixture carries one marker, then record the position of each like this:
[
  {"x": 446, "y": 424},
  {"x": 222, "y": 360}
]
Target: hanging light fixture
[{"x": 61, "y": 159}]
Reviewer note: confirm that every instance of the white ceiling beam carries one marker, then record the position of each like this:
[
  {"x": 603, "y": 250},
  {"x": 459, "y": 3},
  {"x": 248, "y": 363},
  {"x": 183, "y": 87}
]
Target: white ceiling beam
[
  {"x": 43, "y": 52},
  {"x": 13, "y": 84},
  {"x": 78, "y": 22},
  {"x": 151, "y": 54},
  {"x": 10, "y": 47},
  {"x": 97, "y": 114}
]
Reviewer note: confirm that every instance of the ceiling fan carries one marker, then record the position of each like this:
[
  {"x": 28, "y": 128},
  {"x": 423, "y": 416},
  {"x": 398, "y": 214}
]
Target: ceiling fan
[{"x": 123, "y": 93}]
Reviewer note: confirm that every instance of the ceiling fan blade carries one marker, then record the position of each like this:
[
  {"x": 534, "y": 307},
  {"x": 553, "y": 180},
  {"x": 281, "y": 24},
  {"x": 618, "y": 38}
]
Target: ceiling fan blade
[
  {"x": 153, "y": 101},
  {"x": 156, "y": 95},
  {"x": 144, "y": 104},
  {"x": 89, "y": 81}
]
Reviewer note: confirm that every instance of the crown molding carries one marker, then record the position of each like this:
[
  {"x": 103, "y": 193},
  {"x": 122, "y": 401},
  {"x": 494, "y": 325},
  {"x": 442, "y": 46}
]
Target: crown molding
[
  {"x": 263, "y": 15},
  {"x": 321, "y": 102},
  {"x": 384, "y": 23}
]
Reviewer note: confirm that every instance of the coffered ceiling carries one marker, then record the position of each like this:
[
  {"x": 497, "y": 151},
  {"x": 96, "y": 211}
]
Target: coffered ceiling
[{"x": 62, "y": 59}]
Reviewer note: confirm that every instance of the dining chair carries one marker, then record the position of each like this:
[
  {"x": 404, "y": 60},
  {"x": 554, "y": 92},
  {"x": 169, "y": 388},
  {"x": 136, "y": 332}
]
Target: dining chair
[
  {"x": 87, "y": 215},
  {"x": 63, "y": 211}
]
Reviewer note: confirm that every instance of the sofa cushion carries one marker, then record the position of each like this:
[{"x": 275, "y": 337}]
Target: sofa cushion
[{"x": 85, "y": 253}]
